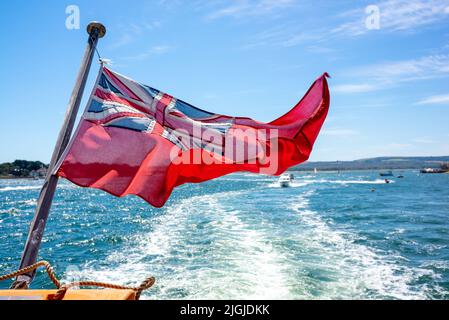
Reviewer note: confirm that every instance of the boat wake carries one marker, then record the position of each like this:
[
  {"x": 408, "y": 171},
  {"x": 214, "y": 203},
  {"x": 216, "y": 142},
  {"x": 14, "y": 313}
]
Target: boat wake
[
  {"x": 206, "y": 247},
  {"x": 199, "y": 249},
  {"x": 343, "y": 182},
  {"x": 349, "y": 270},
  {"x": 19, "y": 188},
  {"x": 302, "y": 183},
  {"x": 293, "y": 184}
]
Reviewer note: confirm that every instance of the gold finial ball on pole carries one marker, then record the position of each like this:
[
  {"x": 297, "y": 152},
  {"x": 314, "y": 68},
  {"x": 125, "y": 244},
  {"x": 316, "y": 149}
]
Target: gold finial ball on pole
[{"x": 96, "y": 25}]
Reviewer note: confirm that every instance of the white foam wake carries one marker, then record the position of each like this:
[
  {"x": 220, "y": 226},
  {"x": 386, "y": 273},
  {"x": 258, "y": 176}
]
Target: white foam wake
[
  {"x": 19, "y": 188},
  {"x": 305, "y": 182},
  {"x": 350, "y": 270},
  {"x": 377, "y": 181},
  {"x": 293, "y": 184},
  {"x": 198, "y": 249}
]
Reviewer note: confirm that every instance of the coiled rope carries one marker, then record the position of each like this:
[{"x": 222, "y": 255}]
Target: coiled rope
[
  {"x": 47, "y": 266},
  {"x": 62, "y": 288}
]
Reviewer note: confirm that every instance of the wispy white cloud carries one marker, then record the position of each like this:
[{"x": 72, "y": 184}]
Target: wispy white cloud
[
  {"x": 362, "y": 104},
  {"x": 319, "y": 49},
  {"x": 130, "y": 32},
  {"x": 438, "y": 99},
  {"x": 339, "y": 132},
  {"x": 122, "y": 40},
  {"x": 424, "y": 140},
  {"x": 354, "y": 88},
  {"x": 300, "y": 38},
  {"x": 245, "y": 8},
  {"x": 153, "y": 51},
  {"x": 427, "y": 67},
  {"x": 397, "y": 15},
  {"x": 390, "y": 74},
  {"x": 284, "y": 35}
]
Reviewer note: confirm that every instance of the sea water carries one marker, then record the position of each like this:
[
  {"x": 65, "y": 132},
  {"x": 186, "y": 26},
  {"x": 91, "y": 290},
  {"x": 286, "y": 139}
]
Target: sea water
[{"x": 329, "y": 236}]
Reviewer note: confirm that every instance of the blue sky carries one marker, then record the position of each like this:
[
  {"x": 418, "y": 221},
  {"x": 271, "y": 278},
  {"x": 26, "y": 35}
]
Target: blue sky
[{"x": 389, "y": 86}]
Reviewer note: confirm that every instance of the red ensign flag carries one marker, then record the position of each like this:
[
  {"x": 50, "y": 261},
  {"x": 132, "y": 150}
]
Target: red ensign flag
[{"x": 134, "y": 139}]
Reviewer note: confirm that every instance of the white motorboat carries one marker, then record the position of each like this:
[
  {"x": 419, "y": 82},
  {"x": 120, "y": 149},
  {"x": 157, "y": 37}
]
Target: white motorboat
[{"x": 285, "y": 180}]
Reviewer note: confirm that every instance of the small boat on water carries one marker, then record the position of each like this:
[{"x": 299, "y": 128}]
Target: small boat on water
[
  {"x": 386, "y": 174},
  {"x": 433, "y": 170},
  {"x": 285, "y": 180}
]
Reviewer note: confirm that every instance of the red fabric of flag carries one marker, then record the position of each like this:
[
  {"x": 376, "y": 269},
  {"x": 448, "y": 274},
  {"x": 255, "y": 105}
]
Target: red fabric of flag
[{"x": 134, "y": 139}]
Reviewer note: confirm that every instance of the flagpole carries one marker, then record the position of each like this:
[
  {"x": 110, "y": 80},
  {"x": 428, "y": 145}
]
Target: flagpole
[{"x": 96, "y": 31}]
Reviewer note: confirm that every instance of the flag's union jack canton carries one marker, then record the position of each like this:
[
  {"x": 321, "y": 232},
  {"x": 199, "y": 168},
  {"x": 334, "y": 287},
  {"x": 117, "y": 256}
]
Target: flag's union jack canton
[{"x": 134, "y": 139}]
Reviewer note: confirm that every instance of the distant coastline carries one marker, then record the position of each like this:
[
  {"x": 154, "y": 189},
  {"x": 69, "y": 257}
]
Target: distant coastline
[
  {"x": 379, "y": 163},
  {"x": 24, "y": 169},
  {"x": 13, "y": 178}
]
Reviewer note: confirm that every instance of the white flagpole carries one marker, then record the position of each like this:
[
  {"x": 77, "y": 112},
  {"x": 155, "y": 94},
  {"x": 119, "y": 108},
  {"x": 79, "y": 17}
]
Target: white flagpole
[{"x": 96, "y": 31}]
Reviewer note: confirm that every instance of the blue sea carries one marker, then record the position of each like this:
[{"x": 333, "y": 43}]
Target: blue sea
[{"x": 329, "y": 236}]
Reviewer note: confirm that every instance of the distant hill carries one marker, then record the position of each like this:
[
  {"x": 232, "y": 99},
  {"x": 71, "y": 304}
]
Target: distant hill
[
  {"x": 29, "y": 169},
  {"x": 380, "y": 163}
]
